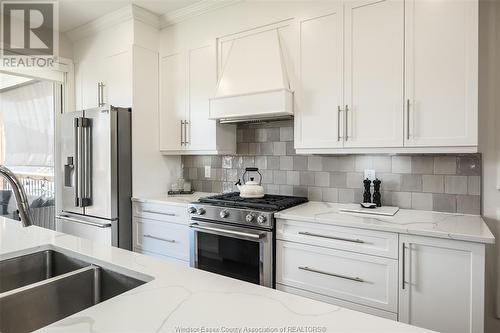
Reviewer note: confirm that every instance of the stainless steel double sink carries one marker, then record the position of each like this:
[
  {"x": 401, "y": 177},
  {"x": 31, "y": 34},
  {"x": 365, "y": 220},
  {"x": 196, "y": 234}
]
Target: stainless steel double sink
[{"x": 40, "y": 288}]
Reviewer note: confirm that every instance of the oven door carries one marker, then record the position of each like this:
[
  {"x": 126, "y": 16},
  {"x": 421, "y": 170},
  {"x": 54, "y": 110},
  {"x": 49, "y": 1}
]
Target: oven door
[{"x": 238, "y": 252}]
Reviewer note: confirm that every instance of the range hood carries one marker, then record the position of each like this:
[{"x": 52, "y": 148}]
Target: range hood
[{"x": 253, "y": 84}]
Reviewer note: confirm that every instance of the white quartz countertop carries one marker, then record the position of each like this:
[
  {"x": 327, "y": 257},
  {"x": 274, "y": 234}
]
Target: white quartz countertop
[
  {"x": 180, "y": 200},
  {"x": 179, "y": 297},
  {"x": 415, "y": 222}
]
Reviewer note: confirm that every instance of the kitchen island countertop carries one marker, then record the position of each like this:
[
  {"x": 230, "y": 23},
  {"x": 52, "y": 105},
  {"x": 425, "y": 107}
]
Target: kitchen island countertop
[{"x": 182, "y": 299}]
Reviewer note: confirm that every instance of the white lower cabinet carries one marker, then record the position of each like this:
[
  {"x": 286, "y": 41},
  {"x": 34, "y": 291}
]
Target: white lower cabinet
[
  {"x": 161, "y": 230},
  {"x": 433, "y": 283},
  {"x": 441, "y": 284}
]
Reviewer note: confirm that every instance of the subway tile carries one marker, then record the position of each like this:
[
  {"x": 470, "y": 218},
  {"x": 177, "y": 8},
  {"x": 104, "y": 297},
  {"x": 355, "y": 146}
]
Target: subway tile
[
  {"x": 411, "y": 183},
  {"x": 216, "y": 161},
  {"x": 227, "y": 162},
  {"x": 273, "y": 134},
  {"x": 185, "y": 173},
  {"x": 293, "y": 178},
  {"x": 401, "y": 199},
  {"x": 253, "y": 148},
  {"x": 401, "y": 164},
  {"x": 469, "y": 204},
  {"x": 242, "y": 148},
  {"x": 433, "y": 183},
  {"x": 469, "y": 165},
  {"x": 197, "y": 185},
  {"x": 286, "y": 190},
  {"x": 314, "y": 193},
  {"x": 346, "y": 163},
  {"x": 238, "y": 162},
  {"x": 187, "y": 161},
  {"x": 227, "y": 187},
  {"x": 390, "y": 181},
  {"x": 279, "y": 177},
  {"x": 354, "y": 180},
  {"x": 248, "y": 161},
  {"x": 217, "y": 187},
  {"x": 422, "y": 201},
  {"x": 322, "y": 179},
  {"x": 306, "y": 178},
  {"x": 363, "y": 162},
  {"x": 286, "y": 133},
  {"x": 239, "y": 135},
  {"x": 261, "y": 162},
  {"x": 422, "y": 165},
  {"x": 279, "y": 148},
  {"x": 444, "y": 203},
  {"x": 474, "y": 185},
  {"x": 207, "y": 186},
  {"x": 314, "y": 163},
  {"x": 330, "y": 194},
  {"x": 193, "y": 173},
  {"x": 286, "y": 162},
  {"x": 290, "y": 149},
  {"x": 455, "y": 184},
  {"x": 338, "y": 179},
  {"x": 358, "y": 195},
  {"x": 272, "y": 189},
  {"x": 260, "y": 135},
  {"x": 266, "y": 148},
  {"x": 273, "y": 162},
  {"x": 382, "y": 164},
  {"x": 300, "y": 191},
  {"x": 267, "y": 176},
  {"x": 345, "y": 195},
  {"x": 299, "y": 163},
  {"x": 445, "y": 165},
  {"x": 330, "y": 163},
  {"x": 386, "y": 198},
  {"x": 232, "y": 175}
]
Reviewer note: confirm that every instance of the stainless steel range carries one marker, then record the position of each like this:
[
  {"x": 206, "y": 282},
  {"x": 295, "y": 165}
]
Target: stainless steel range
[{"x": 235, "y": 236}]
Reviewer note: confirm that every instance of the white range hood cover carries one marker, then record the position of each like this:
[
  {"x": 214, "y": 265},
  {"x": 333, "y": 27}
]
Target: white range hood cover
[{"x": 254, "y": 83}]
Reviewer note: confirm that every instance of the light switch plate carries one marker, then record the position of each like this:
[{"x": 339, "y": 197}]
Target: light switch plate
[
  {"x": 370, "y": 174},
  {"x": 207, "y": 171}
]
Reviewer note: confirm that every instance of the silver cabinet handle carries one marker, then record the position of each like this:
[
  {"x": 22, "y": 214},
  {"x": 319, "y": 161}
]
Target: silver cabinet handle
[
  {"x": 100, "y": 94},
  {"x": 305, "y": 268},
  {"x": 339, "y": 111},
  {"x": 407, "y": 119},
  {"x": 305, "y": 233},
  {"x": 223, "y": 232},
  {"x": 346, "y": 122},
  {"x": 186, "y": 141},
  {"x": 155, "y": 212},
  {"x": 403, "y": 263},
  {"x": 159, "y": 238},
  {"x": 94, "y": 224},
  {"x": 182, "y": 127}
]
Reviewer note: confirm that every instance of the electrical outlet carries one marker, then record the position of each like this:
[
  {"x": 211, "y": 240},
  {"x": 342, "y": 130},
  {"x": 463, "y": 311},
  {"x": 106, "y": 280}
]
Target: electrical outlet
[
  {"x": 370, "y": 174},
  {"x": 207, "y": 171}
]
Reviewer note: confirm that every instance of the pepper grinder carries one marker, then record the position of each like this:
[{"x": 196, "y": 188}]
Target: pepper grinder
[
  {"x": 377, "y": 198},
  {"x": 367, "y": 195}
]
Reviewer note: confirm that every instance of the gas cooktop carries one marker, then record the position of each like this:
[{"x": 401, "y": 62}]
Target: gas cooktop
[{"x": 269, "y": 202}]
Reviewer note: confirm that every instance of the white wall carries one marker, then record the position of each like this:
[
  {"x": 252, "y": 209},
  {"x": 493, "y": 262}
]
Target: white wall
[{"x": 489, "y": 141}]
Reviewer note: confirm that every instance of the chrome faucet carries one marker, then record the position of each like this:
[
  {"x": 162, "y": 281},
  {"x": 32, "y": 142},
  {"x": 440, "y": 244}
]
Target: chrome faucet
[{"x": 20, "y": 194}]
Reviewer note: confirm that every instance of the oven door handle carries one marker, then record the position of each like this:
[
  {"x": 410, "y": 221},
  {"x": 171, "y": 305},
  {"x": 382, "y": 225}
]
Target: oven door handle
[{"x": 226, "y": 232}]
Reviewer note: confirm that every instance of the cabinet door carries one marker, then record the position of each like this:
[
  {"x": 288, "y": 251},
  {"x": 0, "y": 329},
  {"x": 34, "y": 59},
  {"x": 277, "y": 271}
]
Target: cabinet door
[
  {"x": 374, "y": 73},
  {"x": 117, "y": 89},
  {"x": 202, "y": 78},
  {"x": 319, "y": 89},
  {"x": 172, "y": 102},
  {"x": 441, "y": 284},
  {"x": 441, "y": 72},
  {"x": 90, "y": 73}
]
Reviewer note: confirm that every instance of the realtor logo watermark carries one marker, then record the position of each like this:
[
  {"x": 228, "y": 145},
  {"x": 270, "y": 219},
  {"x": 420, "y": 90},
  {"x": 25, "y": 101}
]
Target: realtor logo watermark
[{"x": 29, "y": 33}]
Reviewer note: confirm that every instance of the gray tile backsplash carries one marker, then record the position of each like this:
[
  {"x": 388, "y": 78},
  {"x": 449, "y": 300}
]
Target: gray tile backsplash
[{"x": 446, "y": 183}]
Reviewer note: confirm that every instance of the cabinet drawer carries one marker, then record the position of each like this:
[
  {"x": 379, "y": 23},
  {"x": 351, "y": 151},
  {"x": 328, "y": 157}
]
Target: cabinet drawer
[
  {"x": 338, "y": 302},
  {"x": 379, "y": 243},
  {"x": 168, "y": 239},
  {"x": 358, "y": 278},
  {"x": 159, "y": 256},
  {"x": 161, "y": 212}
]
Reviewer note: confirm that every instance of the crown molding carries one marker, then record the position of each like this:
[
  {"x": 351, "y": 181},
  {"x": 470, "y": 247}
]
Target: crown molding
[
  {"x": 198, "y": 8},
  {"x": 118, "y": 16}
]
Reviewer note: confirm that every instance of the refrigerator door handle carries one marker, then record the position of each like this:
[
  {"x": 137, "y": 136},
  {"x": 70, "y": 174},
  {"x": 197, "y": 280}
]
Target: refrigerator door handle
[
  {"x": 86, "y": 144},
  {"x": 94, "y": 224},
  {"x": 77, "y": 161}
]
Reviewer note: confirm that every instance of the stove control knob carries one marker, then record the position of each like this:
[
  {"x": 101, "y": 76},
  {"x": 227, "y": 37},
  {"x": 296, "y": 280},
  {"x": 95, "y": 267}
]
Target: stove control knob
[
  {"x": 201, "y": 211},
  {"x": 262, "y": 219},
  {"x": 224, "y": 213},
  {"x": 191, "y": 210},
  {"x": 250, "y": 217}
]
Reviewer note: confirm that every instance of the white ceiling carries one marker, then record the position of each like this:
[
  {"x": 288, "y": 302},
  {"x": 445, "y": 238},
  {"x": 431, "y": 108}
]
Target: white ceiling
[{"x": 74, "y": 13}]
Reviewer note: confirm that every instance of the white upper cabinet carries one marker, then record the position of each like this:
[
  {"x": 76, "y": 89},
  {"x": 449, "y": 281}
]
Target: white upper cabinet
[
  {"x": 187, "y": 81},
  {"x": 319, "y": 90},
  {"x": 373, "y": 70},
  {"x": 172, "y": 101},
  {"x": 441, "y": 284},
  {"x": 441, "y": 73}
]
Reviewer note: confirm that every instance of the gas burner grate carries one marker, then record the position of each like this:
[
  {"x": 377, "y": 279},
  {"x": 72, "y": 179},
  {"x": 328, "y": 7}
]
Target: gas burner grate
[{"x": 268, "y": 203}]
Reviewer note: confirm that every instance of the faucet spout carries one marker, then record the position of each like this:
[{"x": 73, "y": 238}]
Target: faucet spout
[{"x": 20, "y": 194}]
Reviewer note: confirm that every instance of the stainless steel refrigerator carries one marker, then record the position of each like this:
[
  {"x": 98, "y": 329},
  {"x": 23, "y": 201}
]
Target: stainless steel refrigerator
[{"x": 96, "y": 175}]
